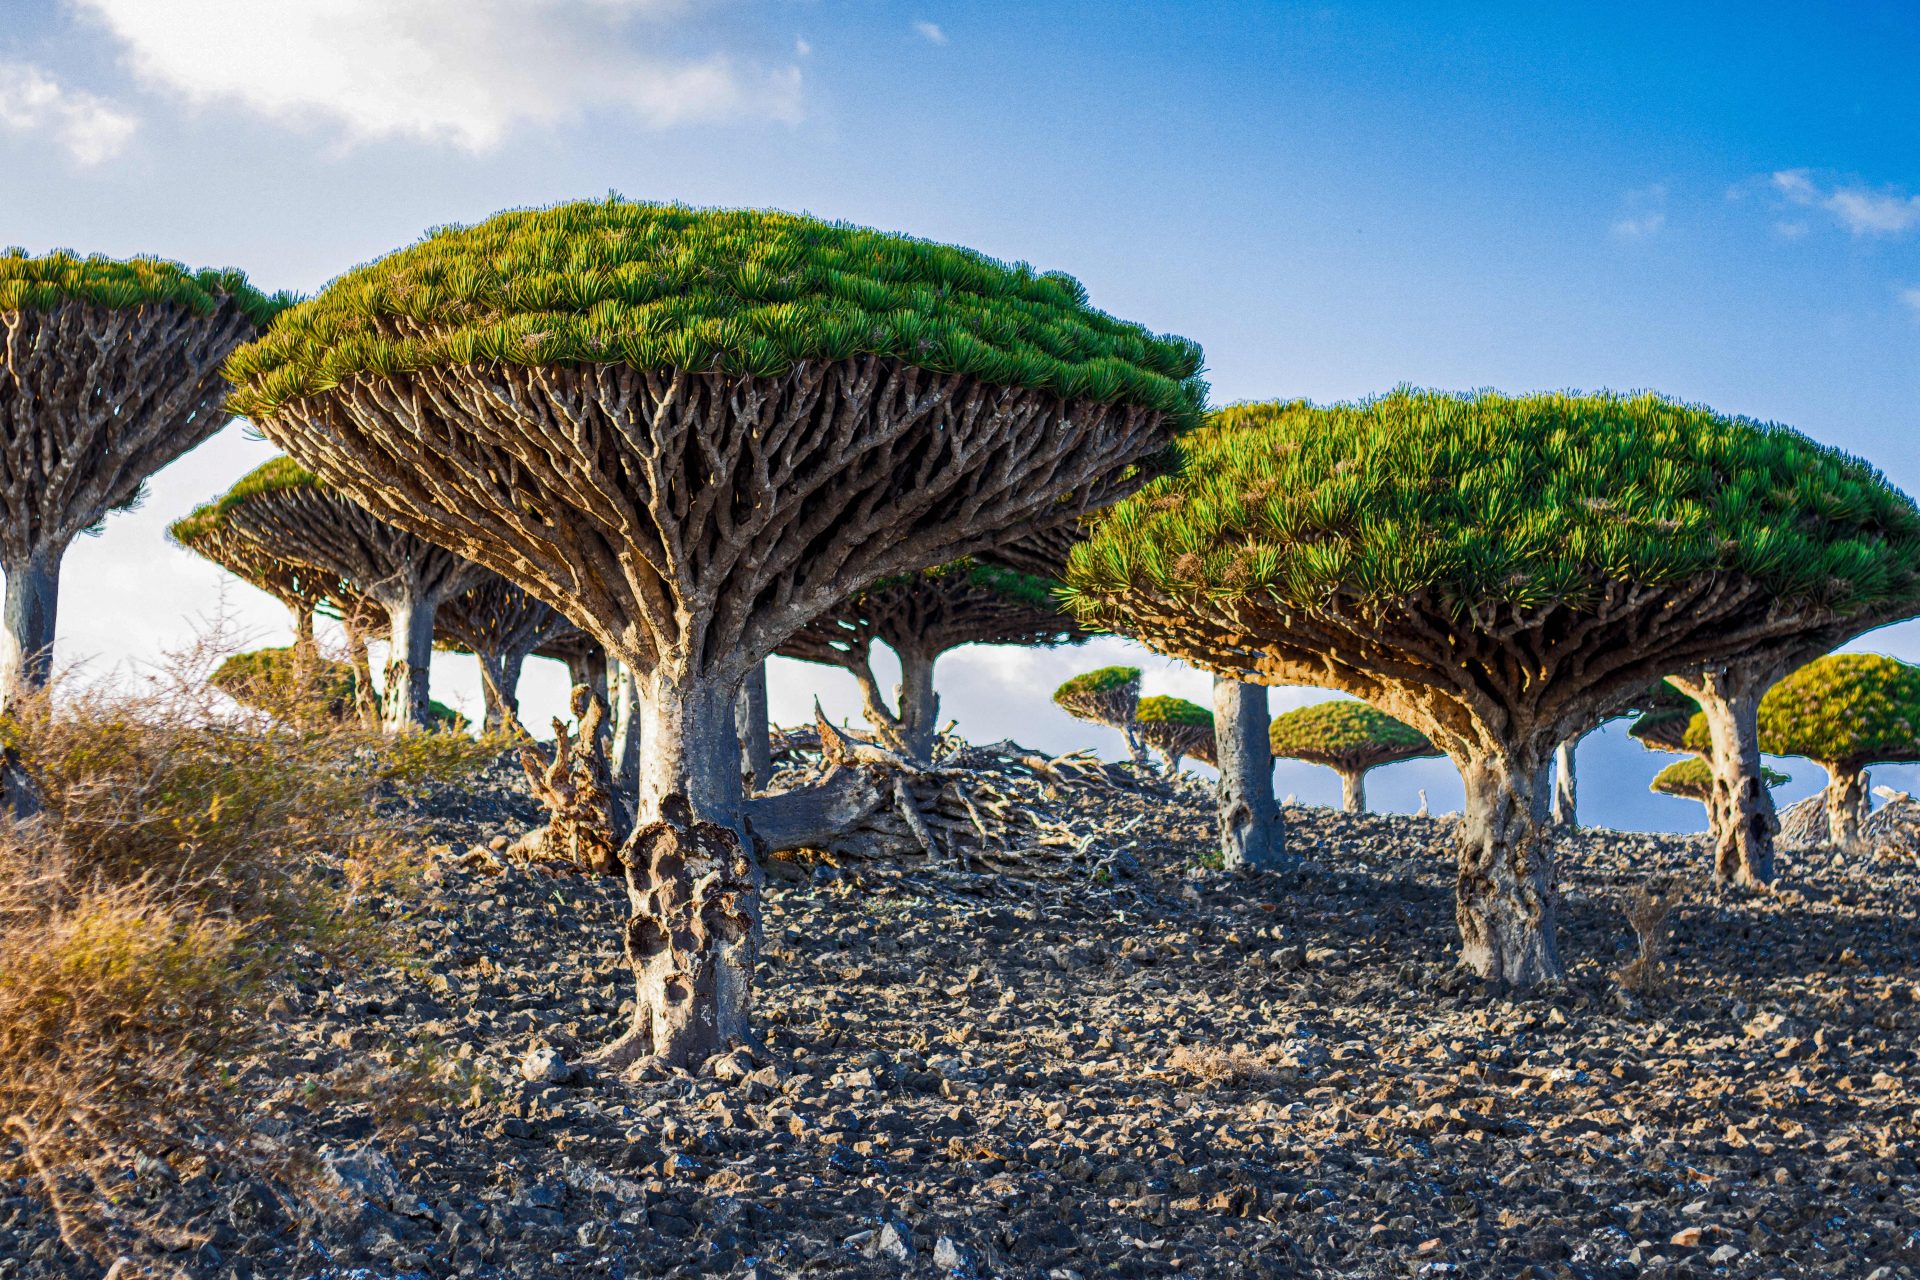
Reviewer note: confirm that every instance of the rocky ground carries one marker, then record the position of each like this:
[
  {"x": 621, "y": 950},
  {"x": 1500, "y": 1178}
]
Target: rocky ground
[{"x": 1167, "y": 1071}]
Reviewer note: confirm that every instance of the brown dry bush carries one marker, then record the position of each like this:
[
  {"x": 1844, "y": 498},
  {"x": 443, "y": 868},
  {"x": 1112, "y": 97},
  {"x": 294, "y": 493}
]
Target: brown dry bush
[{"x": 187, "y": 856}]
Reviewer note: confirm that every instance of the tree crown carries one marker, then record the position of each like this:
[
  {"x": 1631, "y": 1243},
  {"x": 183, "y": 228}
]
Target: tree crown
[
  {"x": 1846, "y": 709},
  {"x": 1487, "y": 499},
  {"x": 273, "y": 476},
  {"x": 743, "y": 291},
  {"x": 1345, "y": 729},
  {"x": 1162, "y": 709},
  {"x": 1692, "y": 779},
  {"x": 1098, "y": 681},
  {"x": 30, "y": 283}
]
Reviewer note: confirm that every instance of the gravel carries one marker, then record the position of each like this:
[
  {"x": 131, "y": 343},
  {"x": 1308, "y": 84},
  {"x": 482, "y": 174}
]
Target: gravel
[{"x": 1174, "y": 1072}]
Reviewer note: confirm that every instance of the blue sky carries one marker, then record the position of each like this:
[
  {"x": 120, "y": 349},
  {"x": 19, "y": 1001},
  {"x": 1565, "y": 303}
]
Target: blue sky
[{"x": 1718, "y": 202}]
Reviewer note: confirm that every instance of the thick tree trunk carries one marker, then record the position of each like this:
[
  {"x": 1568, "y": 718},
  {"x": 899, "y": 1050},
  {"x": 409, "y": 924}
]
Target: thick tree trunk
[
  {"x": 26, "y": 655},
  {"x": 1566, "y": 786},
  {"x": 589, "y": 668},
  {"x": 1136, "y": 748},
  {"x": 756, "y": 741},
  {"x": 26, "y": 650},
  {"x": 1504, "y": 897},
  {"x": 1252, "y": 835},
  {"x": 624, "y": 759},
  {"x": 1847, "y": 806},
  {"x": 919, "y": 704},
  {"x": 1740, "y": 813},
  {"x": 1353, "y": 790},
  {"x": 500, "y": 691},
  {"x": 404, "y": 700},
  {"x": 694, "y": 934}
]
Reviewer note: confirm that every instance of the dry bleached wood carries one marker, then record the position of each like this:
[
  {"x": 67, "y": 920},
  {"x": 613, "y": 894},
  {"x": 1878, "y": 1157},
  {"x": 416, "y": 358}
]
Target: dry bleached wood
[{"x": 692, "y": 522}]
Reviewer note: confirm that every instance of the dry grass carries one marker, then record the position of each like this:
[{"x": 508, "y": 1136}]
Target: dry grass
[
  {"x": 1213, "y": 1067},
  {"x": 187, "y": 856}
]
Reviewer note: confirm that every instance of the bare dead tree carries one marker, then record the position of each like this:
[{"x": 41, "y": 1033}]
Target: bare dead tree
[
  {"x": 297, "y": 516},
  {"x": 921, "y": 616},
  {"x": 500, "y": 625}
]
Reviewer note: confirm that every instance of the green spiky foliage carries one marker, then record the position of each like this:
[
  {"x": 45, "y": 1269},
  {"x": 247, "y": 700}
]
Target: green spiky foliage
[
  {"x": 1100, "y": 681},
  {"x": 1500, "y": 572},
  {"x": 1346, "y": 735},
  {"x": 1692, "y": 779},
  {"x": 270, "y": 680},
  {"x": 1175, "y": 728},
  {"x": 30, "y": 283},
  {"x": 744, "y": 291},
  {"x": 1662, "y": 719},
  {"x": 1844, "y": 711},
  {"x": 208, "y": 532}
]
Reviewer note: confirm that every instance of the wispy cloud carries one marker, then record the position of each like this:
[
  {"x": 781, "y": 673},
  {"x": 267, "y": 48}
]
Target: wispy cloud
[
  {"x": 930, "y": 32},
  {"x": 1645, "y": 213},
  {"x": 1862, "y": 210},
  {"x": 465, "y": 72},
  {"x": 90, "y": 129}
]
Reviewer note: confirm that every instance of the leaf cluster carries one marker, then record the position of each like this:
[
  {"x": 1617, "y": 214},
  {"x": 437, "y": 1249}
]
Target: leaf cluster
[
  {"x": 1098, "y": 681},
  {"x": 1486, "y": 499},
  {"x": 1692, "y": 779},
  {"x": 1846, "y": 709},
  {"x": 1345, "y": 729},
  {"x": 1162, "y": 709},
  {"x": 29, "y": 283},
  {"x": 742, "y": 291}
]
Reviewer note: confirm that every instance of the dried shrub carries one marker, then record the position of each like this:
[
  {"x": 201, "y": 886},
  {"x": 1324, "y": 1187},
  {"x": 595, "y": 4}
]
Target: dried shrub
[
  {"x": 186, "y": 856},
  {"x": 1649, "y": 911},
  {"x": 1214, "y": 1067}
]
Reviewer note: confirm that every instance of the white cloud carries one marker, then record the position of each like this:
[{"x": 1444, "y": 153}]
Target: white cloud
[
  {"x": 1646, "y": 214},
  {"x": 931, "y": 32},
  {"x": 92, "y": 130},
  {"x": 1861, "y": 210},
  {"x": 466, "y": 72}
]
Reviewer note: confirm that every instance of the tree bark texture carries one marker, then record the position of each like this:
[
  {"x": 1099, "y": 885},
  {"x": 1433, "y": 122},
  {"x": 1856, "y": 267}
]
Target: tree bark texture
[
  {"x": 32, "y": 600},
  {"x": 1566, "y": 786},
  {"x": 1252, "y": 834},
  {"x": 405, "y": 700},
  {"x": 500, "y": 691},
  {"x": 501, "y": 625},
  {"x": 1847, "y": 805},
  {"x": 1741, "y": 820},
  {"x": 756, "y": 733},
  {"x": 1505, "y": 892},
  {"x": 693, "y": 937},
  {"x": 1353, "y": 790}
]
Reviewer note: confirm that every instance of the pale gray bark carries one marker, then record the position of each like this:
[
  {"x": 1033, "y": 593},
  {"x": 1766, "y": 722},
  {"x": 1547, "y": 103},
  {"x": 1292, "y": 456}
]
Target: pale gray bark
[
  {"x": 1566, "y": 786},
  {"x": 1505, "y": 892},
  {"x": 1353, "y": 790},
  {"x": 919, "y": 703},
  {"x": 693, "y": 937},
  {"x": 1847, "y": 806},
  {"x": 756, "y": 740},
  {"x": 1741, "y": 820},
  {"x": 1252, "y": 833},
  {"x": 32, "y": 598},
  {"x": 405, "y": 699},
  {"x": 625, "y": 755},
  {"x": 500, "y": 690}
]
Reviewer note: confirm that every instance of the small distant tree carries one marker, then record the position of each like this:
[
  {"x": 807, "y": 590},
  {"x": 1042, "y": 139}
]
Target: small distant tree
[
  {"x": 1176, "y": 729},
  {"x": 1661, "y": 724},
  {"x": 1108, "y": 696},
  {"x": 695, "y": 431},
  {"x": 1844, "y": 712},
  {"x": 500, "y": 625},
  {"x": 921, "y": 616},
  {"x": 1692, "y": 779},
  {"x": 109, "y": 370},
  {"x": 1502, "y": 574},
  {"x": 297, "y": 517},
  {"x": 303, "y": 589},
  {"x": 1351, "y": 738},
  {"x": 280, "y": 681}
]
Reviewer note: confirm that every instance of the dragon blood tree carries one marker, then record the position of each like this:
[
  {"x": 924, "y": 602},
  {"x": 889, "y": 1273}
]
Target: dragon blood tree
[
  {"x": 921, "y": 616},
  {"x": 1501, "y": 573},
  {"x": 500, "y": 625},
  {"x": 1350, "y": 738},
  {"x": 694, "y": 432},
  {"x": 297, "y": 516},
  {"x": 1253, "y": 835},
  {"x": 1692, "y": 779},
  {"x": 1108, "y": 696},
  {"x": 109, "y": 370},
  {"x": 1843, "y": 712},
  {"x": 302, "y": 588},
  {"x": 1176, "y": 729}
]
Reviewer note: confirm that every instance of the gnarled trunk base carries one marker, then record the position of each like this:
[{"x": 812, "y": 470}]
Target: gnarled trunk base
[
  {"x": 1252, "y": 835},
  {"x": 1505, "y": 893},
  {"x": 1740, "y": 815},
  {"x": 1353, "y": 790},
  {"x": 405, "y": 703},
  {"x": 1847, "y": 807}
]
